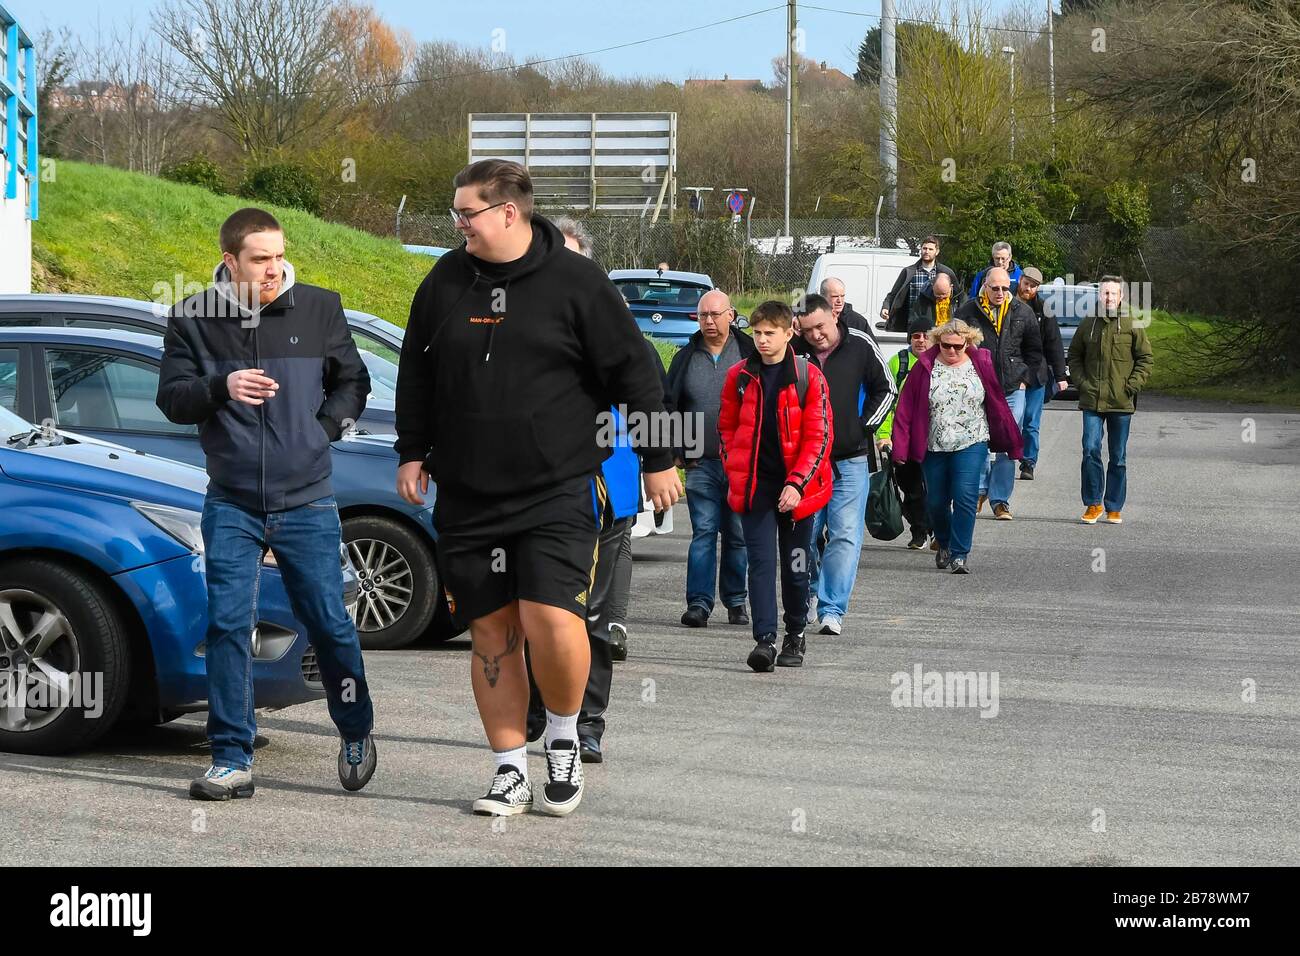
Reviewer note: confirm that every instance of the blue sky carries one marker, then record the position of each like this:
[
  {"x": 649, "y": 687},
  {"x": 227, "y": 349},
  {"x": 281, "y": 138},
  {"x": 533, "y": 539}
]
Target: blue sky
[{"x": 544, "y": 28}]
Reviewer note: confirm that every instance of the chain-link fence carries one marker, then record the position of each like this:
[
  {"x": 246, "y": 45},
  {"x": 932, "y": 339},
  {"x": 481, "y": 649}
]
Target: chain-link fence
[{"x": 756, "y": 254}]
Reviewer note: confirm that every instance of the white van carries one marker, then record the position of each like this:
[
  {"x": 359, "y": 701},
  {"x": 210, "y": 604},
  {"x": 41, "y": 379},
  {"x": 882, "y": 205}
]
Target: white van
[{"x": 868, "y": 275}]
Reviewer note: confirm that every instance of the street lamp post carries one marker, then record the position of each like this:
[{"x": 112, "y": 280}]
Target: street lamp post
[
  {"x": 1051, "y": 74},
  {"x": 1010, "y": 51}
]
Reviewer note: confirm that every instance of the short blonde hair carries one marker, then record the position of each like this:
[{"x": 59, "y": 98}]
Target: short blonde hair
[{"x": 972, "y": 335}]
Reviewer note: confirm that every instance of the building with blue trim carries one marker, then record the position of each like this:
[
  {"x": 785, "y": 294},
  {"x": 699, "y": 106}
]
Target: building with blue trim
[{"x": 19, "y": 166}]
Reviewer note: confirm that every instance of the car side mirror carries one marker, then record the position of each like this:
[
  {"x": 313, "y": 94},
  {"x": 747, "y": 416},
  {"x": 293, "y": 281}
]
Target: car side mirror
[{"x": 741, "y": 322}]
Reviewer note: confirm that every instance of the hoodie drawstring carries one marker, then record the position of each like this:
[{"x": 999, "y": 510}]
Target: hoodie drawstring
[
  {"x": 492, "y": 329},
  {"x": 468, "y": 289}
]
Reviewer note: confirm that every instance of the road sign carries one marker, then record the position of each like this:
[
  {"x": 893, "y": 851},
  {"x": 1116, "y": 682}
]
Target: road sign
[{"x": 736, "y": 202}]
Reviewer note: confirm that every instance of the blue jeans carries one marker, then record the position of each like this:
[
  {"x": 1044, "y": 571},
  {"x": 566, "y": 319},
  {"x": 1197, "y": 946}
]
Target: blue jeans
[
  {"x": 1108, "y": 488},
  {"x": 952, "y": 481},
  {"x": 834, "y": 570},
  {"x": 999, "y": 478},
  {"x": 305, "y": 541},
  {"x": 1035, "y": 398},
  {"x": 706, "y": 500}
]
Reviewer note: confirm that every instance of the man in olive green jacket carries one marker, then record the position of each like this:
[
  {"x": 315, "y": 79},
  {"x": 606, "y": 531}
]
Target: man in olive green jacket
[{"x": 1110, "y": 360}]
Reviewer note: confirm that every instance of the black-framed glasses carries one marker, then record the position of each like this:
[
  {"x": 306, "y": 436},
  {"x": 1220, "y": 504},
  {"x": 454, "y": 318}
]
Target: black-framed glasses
[
  {"x": 714, "y": 316},
  {"x": 999, "y": 288},
  {"x": 458, "y": 217},
  {"x": 953, "y": 346}
]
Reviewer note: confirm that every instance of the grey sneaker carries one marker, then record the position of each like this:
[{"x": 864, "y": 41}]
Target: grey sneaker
[
  {"x": 357, "y": 761},
  {"x": 222, "y": 783},
  {"x": 509, "y": 794},
  {"x": 831, "y": 624}
]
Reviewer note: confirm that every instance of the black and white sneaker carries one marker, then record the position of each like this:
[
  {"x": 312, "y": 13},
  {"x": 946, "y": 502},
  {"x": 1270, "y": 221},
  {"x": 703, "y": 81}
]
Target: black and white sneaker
[
  {"x": 762, "y": 659},
  {"x": 562, "y": 792},
  {"x": 509, "y": 794},
  {"x": 792, "y": 651}
]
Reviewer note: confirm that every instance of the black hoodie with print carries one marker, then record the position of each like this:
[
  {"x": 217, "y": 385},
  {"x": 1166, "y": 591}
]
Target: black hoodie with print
[{"x": 506, "y": 369}]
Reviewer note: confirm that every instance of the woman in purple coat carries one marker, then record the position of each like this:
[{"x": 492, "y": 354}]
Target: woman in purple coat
[{"x": 950, "y": 414}]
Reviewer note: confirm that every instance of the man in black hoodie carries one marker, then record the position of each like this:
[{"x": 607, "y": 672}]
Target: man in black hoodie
[{"x": 515, "y": 350}]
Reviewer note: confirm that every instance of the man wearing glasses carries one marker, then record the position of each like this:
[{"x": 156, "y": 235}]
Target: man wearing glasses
[
  {"x": 1011, "y": 334},
  {"x": 695, "y": 379},
  {"x": 515, "y": 350}
]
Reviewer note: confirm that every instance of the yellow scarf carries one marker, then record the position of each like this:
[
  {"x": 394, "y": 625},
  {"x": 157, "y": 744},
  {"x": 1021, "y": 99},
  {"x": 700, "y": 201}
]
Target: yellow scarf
[
  {"x": 942, "y": 308},
  {"x": 1001, "y": 312}
]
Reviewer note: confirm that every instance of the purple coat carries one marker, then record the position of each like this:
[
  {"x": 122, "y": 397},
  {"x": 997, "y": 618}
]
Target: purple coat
[{"x": 911, "y": 433}]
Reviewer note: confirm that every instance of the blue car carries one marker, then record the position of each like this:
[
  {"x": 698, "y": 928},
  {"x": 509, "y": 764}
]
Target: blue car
[
  {"x": 103, "y": 601},
  {"x": 103, "y": 382},
  {"x": 664, "y": 304}
]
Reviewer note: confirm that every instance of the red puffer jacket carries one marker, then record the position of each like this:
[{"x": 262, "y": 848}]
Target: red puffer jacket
[{"x": 806, "y": 434}]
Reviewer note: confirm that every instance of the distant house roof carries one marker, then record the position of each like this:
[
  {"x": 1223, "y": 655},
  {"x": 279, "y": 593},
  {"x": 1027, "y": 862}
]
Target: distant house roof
[
  {"x": 726, "y": 83},
  {"x": 833, "y": 78}
]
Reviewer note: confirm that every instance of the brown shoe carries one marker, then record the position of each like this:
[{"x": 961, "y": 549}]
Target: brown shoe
[
  {"x": 1002, "y": 512},
  {"x": 1091, "y": 514},
  {"x": 1112, "y": 517},
  {"x": 980, "y": 507}
]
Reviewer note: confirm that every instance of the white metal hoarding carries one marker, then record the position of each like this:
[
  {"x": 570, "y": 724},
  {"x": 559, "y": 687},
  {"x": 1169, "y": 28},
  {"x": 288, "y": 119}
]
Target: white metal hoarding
[{"x": 616, "y": 163}]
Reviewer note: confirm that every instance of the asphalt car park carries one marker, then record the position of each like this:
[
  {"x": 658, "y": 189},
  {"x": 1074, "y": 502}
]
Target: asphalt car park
[{"x": 1148, "y": 712}]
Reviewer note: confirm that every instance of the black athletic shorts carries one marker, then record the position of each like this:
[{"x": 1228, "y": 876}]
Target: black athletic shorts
[{"x": 542, "y": 548}]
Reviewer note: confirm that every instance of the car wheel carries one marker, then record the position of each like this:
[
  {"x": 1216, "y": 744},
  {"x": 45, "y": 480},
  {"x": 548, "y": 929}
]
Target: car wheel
[
  {"x": 55, "y": 623},
  {"x": 398, "y": 581}
]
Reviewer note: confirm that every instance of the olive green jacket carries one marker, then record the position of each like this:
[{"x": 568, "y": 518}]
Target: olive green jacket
[{"x": 1110, "y": 361}]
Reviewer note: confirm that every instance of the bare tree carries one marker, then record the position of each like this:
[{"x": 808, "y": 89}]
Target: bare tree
[
  {"x": 268, "y": 67},
  {"x": 124, "y": 108},
  {"x": 1213, "y": 85}
]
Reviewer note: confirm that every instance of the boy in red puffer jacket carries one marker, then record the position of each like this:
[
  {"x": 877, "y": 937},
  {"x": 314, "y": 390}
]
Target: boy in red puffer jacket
[{"x": 775, "y": 427}]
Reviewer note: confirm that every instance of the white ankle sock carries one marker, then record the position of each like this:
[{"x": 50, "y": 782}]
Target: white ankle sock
[
  {"x": 517, "y": 758},
  {"x": 561, "y": 728}
]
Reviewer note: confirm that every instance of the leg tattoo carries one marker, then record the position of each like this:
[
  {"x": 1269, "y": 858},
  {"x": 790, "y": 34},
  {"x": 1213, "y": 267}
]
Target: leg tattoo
[{"x": 492, "y": 666}]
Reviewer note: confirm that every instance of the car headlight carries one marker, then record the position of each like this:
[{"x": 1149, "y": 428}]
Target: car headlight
[{"x": 181, "y": 524}]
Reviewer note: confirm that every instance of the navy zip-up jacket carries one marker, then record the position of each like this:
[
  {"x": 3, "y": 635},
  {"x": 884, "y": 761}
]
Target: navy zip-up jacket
[{"x": 276, "y": 455}]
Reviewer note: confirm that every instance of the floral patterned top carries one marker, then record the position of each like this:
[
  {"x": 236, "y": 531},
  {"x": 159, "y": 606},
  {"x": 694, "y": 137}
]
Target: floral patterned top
[{"x": 957, "y": 418}]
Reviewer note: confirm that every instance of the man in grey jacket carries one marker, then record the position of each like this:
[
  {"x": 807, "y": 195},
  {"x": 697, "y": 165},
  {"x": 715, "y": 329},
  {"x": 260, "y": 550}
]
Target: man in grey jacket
[{"x": 695, "y": 380}]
